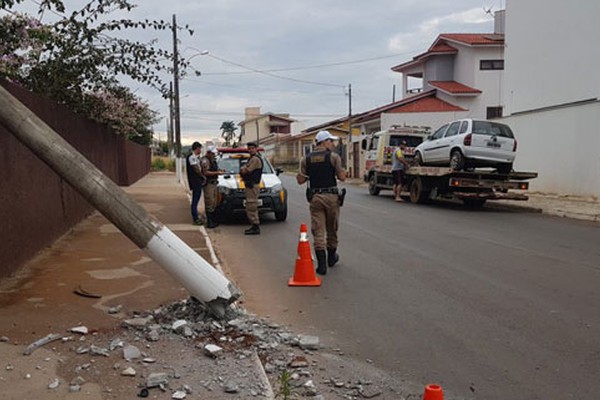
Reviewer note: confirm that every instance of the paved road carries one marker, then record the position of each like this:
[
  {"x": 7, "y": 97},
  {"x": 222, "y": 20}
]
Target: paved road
[{"x": 492, "y": 304}]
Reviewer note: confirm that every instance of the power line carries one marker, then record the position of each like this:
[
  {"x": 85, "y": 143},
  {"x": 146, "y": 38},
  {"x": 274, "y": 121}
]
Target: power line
[
  {"x": 270, "y": 74},
  {"x": 311, "y": 66}
]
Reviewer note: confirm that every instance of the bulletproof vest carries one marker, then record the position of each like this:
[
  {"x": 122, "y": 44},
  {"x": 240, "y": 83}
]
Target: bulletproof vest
[
  {"x": 255, "y": 176},
  {"x": 319, "y": 169},
  {"x": 194, "y": 180},
  {"x": 213, "y": 166}
]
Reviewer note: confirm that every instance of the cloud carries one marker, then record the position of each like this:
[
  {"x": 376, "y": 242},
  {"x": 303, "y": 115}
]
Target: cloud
[{"x": 469, "y": 21}]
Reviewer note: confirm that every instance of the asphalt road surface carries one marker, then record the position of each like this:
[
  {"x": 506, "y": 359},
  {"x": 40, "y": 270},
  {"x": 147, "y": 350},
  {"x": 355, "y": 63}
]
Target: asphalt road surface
[{"x": 491, "y": 304}]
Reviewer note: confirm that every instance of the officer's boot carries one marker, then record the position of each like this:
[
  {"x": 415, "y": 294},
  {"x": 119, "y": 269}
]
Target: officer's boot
[
  {"x": 332, "y": 257},
  {"x": 253, "y": 230},
  {"x": 210, "y": 220},
  {"x": 322, "y": 262}
]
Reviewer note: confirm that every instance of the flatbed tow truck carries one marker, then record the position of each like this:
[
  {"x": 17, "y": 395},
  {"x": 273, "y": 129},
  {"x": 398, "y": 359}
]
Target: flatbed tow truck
[{"x": 473, "y": 187}]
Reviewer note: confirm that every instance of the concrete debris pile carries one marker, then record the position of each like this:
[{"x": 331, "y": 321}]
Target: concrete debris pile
[{"x": 180, "y": 349}]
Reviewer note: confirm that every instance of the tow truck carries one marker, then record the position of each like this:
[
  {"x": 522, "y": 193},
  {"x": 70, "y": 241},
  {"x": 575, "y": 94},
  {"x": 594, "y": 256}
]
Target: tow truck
[{"x": 473, "y": 187}]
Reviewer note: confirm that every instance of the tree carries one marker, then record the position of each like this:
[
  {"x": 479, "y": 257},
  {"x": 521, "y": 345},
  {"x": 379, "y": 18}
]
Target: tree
[
  {"x": 228, "y": 129},
  {"x": 77, "y": 61}
]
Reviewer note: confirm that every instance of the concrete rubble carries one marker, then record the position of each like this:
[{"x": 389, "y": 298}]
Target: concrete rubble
[{"x": 228, "y": 345}]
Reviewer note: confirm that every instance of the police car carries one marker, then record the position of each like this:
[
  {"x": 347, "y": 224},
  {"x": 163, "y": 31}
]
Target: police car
[{"x": 231, "y": 197}]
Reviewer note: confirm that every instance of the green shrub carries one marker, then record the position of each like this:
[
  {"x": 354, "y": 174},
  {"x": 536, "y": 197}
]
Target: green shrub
[{"x": 158, "y": 164}]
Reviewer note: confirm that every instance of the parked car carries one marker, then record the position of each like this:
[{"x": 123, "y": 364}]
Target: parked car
[
  {"x": 231, "y": 194},
  {"x": 470, "y": 143}
]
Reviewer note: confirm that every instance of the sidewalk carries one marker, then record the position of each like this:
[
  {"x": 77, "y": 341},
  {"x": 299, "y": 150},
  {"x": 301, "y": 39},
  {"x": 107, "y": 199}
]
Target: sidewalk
[{"x": 97, "y": 259}]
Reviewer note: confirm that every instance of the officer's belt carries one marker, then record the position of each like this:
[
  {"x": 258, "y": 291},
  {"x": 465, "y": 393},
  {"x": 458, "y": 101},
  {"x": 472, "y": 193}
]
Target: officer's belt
[
  {"x": 213, "y": 182},
  {"x": 327, "y": 190}
]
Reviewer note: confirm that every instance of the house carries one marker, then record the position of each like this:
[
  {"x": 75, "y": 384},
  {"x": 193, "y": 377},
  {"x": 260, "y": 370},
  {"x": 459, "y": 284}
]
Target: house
[
  {"x": 257, "y": 127},
  {"x": 551, "y": 93}
]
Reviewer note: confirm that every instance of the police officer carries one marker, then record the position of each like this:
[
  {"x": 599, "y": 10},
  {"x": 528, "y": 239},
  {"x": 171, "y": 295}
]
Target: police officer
[
  {"x": 211, "y": 171},
  {"x": 251, "y": 174},
  {"x": 196, "y": 179},
  {"x": 321, "y": 168}
]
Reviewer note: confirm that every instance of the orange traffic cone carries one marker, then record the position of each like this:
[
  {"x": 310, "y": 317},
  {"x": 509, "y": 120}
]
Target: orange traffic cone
[
  {"x": 304, "y": 275},
  {"x": 433, "y": 392}
]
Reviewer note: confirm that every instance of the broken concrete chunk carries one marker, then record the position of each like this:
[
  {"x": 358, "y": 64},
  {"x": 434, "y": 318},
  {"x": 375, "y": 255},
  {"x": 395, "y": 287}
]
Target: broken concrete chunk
[
  {"x": 231, "y": 387},
  {"x": 82, "y": 330},
  {"x": 308, "y": 342},
  {"x": 4, "y": 339},
  {"x": 128, "y": 372},
  {"x": 115, "y": 309},
  {"x": 299, "y": 362},
  {"x": 153, "y": 336},
  {"x": 98, "y": 351},
  {"x": 115, "y": 344},
  {"x": 82, "y": 350},
  {"x": 149, "y": 360},
  {"x": 213, "y": 350},
  {"x": 39, "y": 343},
  {"x": 78, "y": 380},
  {"x": 370, "y": 392},
  {"x": 157, "y": 379},
  {"x": 139, "y": 322},
  {"x": 74, "y": 388},
  {"x": 179, "y": 395},
  {"x": 54, "y": 384},
  {"x": 131, "y": 353},
  {"x": 178, "y": 325}
]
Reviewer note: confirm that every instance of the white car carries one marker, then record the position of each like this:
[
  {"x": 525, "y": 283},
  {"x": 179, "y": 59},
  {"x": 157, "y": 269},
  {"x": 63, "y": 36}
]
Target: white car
[
  {"x": 231, "y": 198},
  {"x": 470, "y": 143}
]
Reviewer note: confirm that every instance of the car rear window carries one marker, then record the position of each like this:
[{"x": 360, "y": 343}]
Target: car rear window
[
  {"x": 492, "y": 129},
  {"x": 411, "y": 141},
  {"x": 233, "y": 162}
]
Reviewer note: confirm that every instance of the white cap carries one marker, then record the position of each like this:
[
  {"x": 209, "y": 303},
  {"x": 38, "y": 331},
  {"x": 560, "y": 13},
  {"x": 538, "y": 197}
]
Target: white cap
[
  {"x": 212, "y": 149},
  {"x": 324, "y": 135}
]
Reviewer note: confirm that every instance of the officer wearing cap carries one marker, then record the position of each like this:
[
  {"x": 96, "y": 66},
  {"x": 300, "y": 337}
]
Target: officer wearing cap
[
  {"x": 211, "y": 171},
  {"x": 320, "y": 169},
  {"x": 196, "y": 179},
  {"x": 252, "y": 174}
]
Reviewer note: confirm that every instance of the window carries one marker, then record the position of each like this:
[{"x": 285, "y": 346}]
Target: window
[
  {"x": 491, "y": 64},
  {"x": 453, "y": 129},
  {"x": 492, "y": 129},
  {"x": 463, "y": 127},
  {"x": 439, "y": 133},
  {"x": 494, "y": 112}
]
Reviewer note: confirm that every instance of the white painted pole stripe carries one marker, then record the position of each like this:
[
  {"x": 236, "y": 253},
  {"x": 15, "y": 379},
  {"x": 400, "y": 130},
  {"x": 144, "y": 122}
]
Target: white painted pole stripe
[{"x": 195, "y": 274}]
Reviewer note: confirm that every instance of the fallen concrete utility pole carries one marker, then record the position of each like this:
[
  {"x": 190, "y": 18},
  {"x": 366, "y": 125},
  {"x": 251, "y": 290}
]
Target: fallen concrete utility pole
[{"x": 193, "y": 272}]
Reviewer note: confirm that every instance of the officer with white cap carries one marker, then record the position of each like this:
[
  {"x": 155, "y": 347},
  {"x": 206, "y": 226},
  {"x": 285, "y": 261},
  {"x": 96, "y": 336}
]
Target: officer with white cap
[{"x": 320, "y": 169}]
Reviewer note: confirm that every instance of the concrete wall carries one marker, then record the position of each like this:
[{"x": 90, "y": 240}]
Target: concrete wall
[
  {"x": 563, "y": 146},
  {"x": 552, "y": 93},
  {"x": 36, "y": 205}
]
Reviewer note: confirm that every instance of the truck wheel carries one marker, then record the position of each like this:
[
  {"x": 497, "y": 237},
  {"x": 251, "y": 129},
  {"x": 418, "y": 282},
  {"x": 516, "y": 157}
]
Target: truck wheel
[
  {"x": 417, "y": 193},
  {"x": 457, "y": 160},
  {"x": 373, "y": 189},
  {"x": 418, "y": 158},
  {"x": 474, "y": 203}
]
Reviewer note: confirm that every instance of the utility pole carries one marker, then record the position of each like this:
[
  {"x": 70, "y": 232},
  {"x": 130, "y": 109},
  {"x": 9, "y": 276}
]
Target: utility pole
[
  {"x": 170, "y": 121},
  {"x": 177, "y": 115},
  {"x": 345, "y": 156}
]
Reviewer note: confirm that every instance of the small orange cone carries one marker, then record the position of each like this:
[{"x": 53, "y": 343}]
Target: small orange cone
[
  {"x": 304, "y": 275},
  {"x": 433, "y": 392}
]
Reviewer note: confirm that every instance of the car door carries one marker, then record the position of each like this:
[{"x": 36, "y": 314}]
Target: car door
[
  {"x": 449, "y": 140},
  {"x": 431, "y": 147}
]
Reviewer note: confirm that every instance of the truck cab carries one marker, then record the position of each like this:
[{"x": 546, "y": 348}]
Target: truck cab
[{"x": 380, "y": 146}]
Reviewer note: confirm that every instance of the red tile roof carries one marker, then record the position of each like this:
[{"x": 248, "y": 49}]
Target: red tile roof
[
  {"x": 472, "y": 39},
  {"x": 454, "y": 87},
  {"x": 422, "y": 102},
  {"x": 433, "y": 50}
]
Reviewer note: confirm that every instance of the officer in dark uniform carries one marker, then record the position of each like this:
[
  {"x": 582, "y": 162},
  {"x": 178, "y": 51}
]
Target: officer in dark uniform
[
  {"x": 252, "y": 174},
  {"x": 321, "y": 168},
  {"x": 196, "y": 179}
]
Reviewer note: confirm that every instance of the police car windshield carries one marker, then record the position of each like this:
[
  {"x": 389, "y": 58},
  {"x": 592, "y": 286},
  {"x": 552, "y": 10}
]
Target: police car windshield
[{"x": 233, "y": 162}]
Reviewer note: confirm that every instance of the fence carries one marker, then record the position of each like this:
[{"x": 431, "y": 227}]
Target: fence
[{"x": 36, "y": 205}]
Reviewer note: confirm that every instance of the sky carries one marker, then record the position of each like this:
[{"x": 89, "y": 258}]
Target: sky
[{"x": 278, "y": 55}]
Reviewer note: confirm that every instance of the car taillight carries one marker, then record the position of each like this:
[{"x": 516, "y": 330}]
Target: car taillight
[
  {"x": 467, "y": 140},
  {"x": 515, "y": 145}
]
